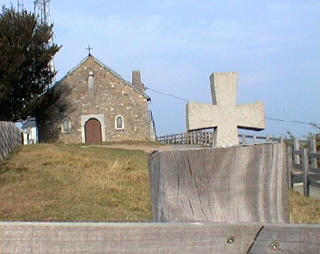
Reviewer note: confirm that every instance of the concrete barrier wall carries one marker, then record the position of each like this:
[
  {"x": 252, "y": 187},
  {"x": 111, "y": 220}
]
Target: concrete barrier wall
[{"x": 10, "y": 138}]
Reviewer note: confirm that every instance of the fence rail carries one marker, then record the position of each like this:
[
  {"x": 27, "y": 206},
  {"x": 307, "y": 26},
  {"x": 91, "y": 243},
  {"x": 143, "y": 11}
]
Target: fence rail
[{"x": 205, "y": 138}]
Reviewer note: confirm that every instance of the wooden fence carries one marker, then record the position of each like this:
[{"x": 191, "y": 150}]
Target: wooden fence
[
  {"x": 205, "y": 138},
  {"x": 219, "y": 237},
  {"x": 303, "y": 165},
  {"x": 302, "y": 161},
  {"x": 225, "y": 184},
  {"x": 76, "y": 238},
  {"x": 10, "y": 138}
]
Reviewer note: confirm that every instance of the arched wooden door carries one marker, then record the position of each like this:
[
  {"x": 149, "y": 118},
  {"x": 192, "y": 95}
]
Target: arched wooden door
[{"x": 93, "y": 131}]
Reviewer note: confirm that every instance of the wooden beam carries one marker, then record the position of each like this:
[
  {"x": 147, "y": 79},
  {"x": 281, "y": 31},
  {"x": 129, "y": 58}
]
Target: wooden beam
[
  {"x": 314, "y": 155},
  {"x": 52, "y": 238},
  {"x": 289, "y": 164},
  {"x": 233, "y": 184},
  {"x": 296, "y": 148},
  {"x": 313, "y": 149},
  {"x": 305, "y": 168}
]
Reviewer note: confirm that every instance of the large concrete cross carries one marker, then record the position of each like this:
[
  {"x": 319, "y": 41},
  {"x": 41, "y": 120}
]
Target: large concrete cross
[{"x": 225, "y": 115}]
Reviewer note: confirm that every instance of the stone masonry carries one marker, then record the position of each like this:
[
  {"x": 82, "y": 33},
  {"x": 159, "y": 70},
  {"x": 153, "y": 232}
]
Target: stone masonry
[
  {"x": 10, "y": 138},
  {"x": 225, "y": 115},
  {"x": 97, "y": 92}
]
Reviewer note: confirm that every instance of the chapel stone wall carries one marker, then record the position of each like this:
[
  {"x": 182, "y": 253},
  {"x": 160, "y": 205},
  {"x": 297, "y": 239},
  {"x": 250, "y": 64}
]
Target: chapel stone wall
[{"x": 108, "y": 95}]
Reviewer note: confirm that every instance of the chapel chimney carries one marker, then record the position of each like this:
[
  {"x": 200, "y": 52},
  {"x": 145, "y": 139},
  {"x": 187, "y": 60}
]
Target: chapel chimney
[{"x": 136, "y": 81}]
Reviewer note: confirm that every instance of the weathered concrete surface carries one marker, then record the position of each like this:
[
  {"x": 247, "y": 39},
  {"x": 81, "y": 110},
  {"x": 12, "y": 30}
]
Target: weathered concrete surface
[
  {"x": 10, "y": 138},
  {"x": 225, "y": 115},
  {"x": 235, "y": 184}
]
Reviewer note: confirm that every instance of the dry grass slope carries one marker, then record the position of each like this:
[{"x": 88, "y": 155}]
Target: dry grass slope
[
  {"x": 48, "y": 182},
  {"x": 302, "y": 209},
  {"x": 51, "y": 182}
]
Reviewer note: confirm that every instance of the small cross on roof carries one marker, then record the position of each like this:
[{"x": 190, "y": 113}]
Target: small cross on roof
[{"x": 89, "y": 49}]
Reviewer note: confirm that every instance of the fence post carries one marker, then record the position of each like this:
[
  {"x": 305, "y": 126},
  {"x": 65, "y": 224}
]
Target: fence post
[
  {"x": 214, "y": 136},
  {"x": 296, "y": 147},
  {"x": 193, "y": 137},
  {"x": 254, "y": 139},
  {"x": 281, "y": 140},
  {"x": 313, "y": 149},
  {"x": 268, "y": 139},
  {"x": 210, "y": 169},
  {"x": 207, "y": 138},
  {"x": 305, "y": 167},
  {"x": 244, "y": 139},
  {"x": 289, "y": 164}
]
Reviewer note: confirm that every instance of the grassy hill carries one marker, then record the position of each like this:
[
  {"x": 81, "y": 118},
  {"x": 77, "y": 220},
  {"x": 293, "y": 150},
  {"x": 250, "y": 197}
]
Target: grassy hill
[
  {"x": 51, "y": 182},
  {"x": 55, "y": 182}
]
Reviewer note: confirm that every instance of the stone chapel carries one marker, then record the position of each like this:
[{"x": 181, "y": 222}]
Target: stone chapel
[{"x": 101, "y": 107}]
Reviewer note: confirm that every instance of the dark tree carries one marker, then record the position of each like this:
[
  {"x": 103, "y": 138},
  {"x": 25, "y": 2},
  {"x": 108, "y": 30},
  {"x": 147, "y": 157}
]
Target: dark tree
[{"x": 25, "y": 72}]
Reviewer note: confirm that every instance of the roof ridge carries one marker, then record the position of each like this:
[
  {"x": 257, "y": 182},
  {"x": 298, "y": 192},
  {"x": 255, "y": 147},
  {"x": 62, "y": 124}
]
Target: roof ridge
[{"x": 107, "y": 68}]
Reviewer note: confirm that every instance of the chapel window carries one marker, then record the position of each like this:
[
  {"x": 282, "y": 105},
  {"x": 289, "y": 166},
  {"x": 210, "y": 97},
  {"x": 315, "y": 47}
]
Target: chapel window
[
  {"x": 91, "y": 85},
  {"x": 66, "y": 126},
  {"x": 119, "y": 123}
]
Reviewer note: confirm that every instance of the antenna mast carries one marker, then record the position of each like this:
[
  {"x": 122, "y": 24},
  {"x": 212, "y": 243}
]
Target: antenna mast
[
  {"x": 20, "y": 5},
  {"x": 42, "y": 12}
]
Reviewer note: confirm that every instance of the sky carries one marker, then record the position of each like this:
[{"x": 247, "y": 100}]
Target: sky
[{"x": 274, "y": 45}]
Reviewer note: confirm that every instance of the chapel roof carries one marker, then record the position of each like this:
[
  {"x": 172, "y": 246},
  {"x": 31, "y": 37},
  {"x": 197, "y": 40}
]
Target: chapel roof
[{"x": 108, "y": 69}]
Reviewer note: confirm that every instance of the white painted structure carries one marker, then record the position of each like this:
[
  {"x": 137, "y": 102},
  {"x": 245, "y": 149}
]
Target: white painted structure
[
  {"x": 225, "y": 115},
  {"x": 30, "y": 131}
]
